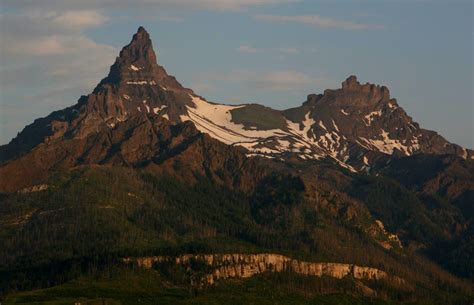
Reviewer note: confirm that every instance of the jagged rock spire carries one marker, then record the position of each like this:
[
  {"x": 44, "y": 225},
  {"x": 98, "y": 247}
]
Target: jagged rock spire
[
  {"x": 140, "y": 49},
  {"x": 350, "y": 83},
  {"x": 136, "y": 60}
]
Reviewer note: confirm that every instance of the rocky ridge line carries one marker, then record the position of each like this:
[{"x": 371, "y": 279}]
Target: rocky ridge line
[{"x": 358, "y": 126}]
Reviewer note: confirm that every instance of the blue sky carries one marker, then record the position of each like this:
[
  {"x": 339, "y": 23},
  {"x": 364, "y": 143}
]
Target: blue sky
[{"x": 273, "y": 52}]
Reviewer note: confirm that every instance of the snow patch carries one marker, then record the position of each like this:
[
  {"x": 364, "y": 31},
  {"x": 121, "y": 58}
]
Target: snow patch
[
  {"x": 147, "y": 107},
  {"x": 371, "y": 116},
  {"x": 141, "y": 82},
  {"x": 388, "y": 145},
  {"x": 284, "y": 144},
  {"x": 156, "y": 110},
  {"x": 321, "y": 124},
  {"x": 216, "y": 120},
  {"x": 134, "y": 68},
  {"x": 259, "y": 155}
]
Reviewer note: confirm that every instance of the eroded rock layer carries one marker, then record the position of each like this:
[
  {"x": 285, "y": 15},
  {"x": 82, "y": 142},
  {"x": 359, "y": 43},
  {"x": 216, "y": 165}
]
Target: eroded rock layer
[{"x": 225, "y": 266}]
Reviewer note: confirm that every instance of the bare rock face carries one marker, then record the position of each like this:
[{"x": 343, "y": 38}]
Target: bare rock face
[
  {"x": 136, "y": 86},
  {"x": 386, "y": 239},
  {"x": 360, "y": 125},
  {"x": 225, "y": 266},
  {"x": 376, "y": 92},
  {"x": 34, "y": 188},
  {"x": 150, "y": 143}
]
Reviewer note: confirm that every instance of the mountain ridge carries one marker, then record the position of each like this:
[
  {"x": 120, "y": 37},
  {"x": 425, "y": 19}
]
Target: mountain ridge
[{"x": 356, "y": 125}]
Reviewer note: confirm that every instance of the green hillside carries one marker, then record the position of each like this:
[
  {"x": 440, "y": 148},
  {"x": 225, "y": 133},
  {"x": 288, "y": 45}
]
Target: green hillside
[{"x": 90, "y": 218}]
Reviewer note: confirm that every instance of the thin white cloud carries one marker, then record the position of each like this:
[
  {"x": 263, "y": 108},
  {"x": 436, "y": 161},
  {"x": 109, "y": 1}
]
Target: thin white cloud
[
  {"x": 45, "y": 32},
  {"x": 36, "y": 22},
  {"x": 249, "y": 49},
  {"x": 173, "y": 19},
  {"x": 318, "y": 21},
  {"x": 202, "y": 87},
  {"x": 81, "y": 19},
  {"x": 48, "y": 52},
  {"x": 213, "y": 5},
  {"x": 283, "y": 50},
  {"x": 288, "y": 50},
  {"x": 279, "y": 80},
  {"x": 54, "y": 45},
  {"x": 38, "y": 46},
  {"x": 284, "y": 80},
  {"x": 225, "y": 5}
]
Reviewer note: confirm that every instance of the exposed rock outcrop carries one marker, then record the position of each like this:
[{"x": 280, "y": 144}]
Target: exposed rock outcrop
[
  {"x": 383, "y": 237},
  {"x": 34, "y": 188},
  {"x": 225, "y": 266}
]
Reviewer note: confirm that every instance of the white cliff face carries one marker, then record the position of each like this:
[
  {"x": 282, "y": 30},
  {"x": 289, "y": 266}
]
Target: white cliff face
[
  {"x": 225, "y": 266},
  {"x": 391, "y": 239},
  {"x": 34, "y": 189}
]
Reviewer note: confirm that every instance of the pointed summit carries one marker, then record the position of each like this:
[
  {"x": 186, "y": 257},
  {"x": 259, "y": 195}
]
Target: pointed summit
[
  {"x": 139, "y": 49},
  {"x": 137, "y": 65},
  {"x": 141, "y": 30},
  {"x": 136, "y": 60},
  {"x": 137, "y": 85}
]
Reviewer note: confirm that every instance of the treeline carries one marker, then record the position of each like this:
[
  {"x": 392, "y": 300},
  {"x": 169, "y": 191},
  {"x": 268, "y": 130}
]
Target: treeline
[
  {"x": 423, "y": 220},
  {"x": 87, "y": 221}
]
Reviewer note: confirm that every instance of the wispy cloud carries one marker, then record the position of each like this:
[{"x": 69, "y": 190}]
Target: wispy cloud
[
  {"x": 43, "y": 33},
  {"x": 80, "y": 19},
  {"x": 288, "y": 50},
  {"x": 278, "y": 80},
  {"x": 281, "y": 50},
  {"x": 284, "y": 80},
  {"x": 164, "y": 18},
  {"x": 156, "y": 5},
  {"x": 249, "y": 49},
  {"x": 49, "y": 53},
  {"x": 227, "y": 5},
  {"x": 318, "y": 21}
]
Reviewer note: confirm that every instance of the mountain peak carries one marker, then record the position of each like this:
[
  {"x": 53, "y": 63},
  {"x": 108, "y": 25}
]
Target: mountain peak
[
  {"x": 136, "y": 60},
  {"x": 141, "y": 29},
  {"x": 141, "y": 36},
  {"x": 140, "y": 48},
  {"x": 375, "y": 91},
  {"x": 350, "y": 83}
]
